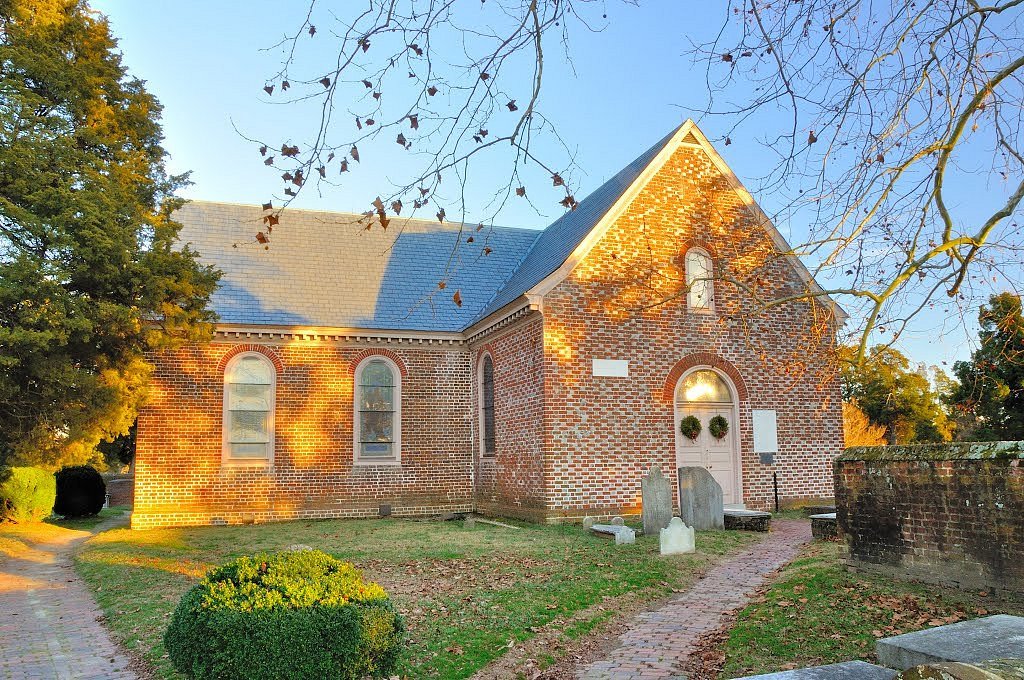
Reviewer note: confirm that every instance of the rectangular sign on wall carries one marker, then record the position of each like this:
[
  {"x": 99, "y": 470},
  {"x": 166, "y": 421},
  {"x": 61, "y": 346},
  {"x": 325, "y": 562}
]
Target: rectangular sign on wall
[
  {"x": 766, "y": 431},
  {"x": 611, "y": 368}
]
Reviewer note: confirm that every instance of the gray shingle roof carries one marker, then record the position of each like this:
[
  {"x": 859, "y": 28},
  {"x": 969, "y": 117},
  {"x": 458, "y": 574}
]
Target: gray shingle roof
[{"x": 324, "y": 269}]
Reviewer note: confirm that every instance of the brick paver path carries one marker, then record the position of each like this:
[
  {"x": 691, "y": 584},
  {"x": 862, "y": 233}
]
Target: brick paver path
[
  {"x": 48, "y": 619},
  {"x": 659, "y": 642}
]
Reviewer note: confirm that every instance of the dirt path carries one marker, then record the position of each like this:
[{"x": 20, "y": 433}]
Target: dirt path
[{"x": 49, "y": 624}]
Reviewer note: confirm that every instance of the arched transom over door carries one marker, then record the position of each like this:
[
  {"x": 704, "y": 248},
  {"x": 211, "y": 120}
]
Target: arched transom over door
[{"x": 707, "y": 396}]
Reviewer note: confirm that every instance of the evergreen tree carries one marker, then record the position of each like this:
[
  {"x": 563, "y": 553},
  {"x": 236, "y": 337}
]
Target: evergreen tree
[
  {"x": 89, "y": 275},
  {"x": 991, "y": 389}
]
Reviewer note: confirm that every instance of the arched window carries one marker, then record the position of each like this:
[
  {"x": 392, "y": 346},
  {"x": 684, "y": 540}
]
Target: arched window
[
  {"x": 705, "y": 386},
  {"x": 699, "y": 272},
  {"x": 249, "y": 385},
  {"x": 378, "y": 396},
  {"x": 487, "y": 405}
]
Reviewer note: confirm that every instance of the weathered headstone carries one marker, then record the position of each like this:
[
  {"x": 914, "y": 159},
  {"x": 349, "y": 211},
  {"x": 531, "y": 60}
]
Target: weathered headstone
[
  {"x": 618, "y": 521},
  {"x": 656, "y": 492},
  {"x": 700, "y": 499},
  {"x": 622, "y": 534},
  {"x": 677, "y": 538},
  {"x": 824, "y": 526},
  {"x": 588, "y": 522}
]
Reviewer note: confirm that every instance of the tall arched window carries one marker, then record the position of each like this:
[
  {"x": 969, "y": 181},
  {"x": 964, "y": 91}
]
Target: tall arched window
[
  {"x": 249, "y": 385},
  {"x": 699, "y": 272},
  {"x": 378, "y": 411},
  {"x": 487, "y": 405}
]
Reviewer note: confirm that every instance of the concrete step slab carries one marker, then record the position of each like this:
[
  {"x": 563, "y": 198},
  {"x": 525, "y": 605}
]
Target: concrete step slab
[
  {"x": 848, "y": 670},
  {"x": 993, "y": 637}
]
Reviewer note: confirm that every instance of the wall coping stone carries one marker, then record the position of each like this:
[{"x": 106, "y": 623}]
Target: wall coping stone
[{"x": 1009, "y": 450}]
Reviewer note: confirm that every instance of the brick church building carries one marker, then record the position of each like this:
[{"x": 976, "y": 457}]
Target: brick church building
[{"x": 646, "y": 327}]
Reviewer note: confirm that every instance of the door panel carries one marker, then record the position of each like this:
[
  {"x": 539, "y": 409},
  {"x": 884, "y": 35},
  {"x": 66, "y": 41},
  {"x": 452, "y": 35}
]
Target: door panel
[{"x": 717, "y": 455}]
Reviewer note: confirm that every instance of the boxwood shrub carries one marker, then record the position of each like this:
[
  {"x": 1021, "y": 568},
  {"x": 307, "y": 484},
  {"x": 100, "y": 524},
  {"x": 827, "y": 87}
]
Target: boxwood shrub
[
  {"x": 26, "y": 494},
  {"x": 301, "y": 614},
  {"x": 81, "y": 491}
]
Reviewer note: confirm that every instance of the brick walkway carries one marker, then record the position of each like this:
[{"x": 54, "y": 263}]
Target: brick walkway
[
  {"x": 48, "y": 619},
  {"x": 659, "y": 642}
]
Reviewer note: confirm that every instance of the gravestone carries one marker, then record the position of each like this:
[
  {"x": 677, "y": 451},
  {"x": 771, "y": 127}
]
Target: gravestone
[
  {"x": 824, "y": 527},
  {"x": 618, "y": 521},
  {"x": 991, "y": 637},
  {"x": 748, "y": 520},
  {"x": 700, "y": 499},
  {"x": 849, "y": 670},
  {"x": 588, "y": 522},
  {"x": 623, "y": 535},
  {"x": 656, "y": 493},
  {"x": 677, "y": 538}
]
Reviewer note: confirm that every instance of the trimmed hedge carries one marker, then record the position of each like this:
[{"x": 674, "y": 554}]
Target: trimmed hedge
[
  {"x": 81, "y": 491},
  {"x": 27, "y": 494},
  {"x": 298, "y": 614}
]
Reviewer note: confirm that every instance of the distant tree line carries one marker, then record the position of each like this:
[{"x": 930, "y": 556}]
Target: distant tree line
[{"x": 890, "y": 400}]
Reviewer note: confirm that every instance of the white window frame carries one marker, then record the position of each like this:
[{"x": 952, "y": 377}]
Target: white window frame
[
  {"x": 228, "y": 460},
  {"x": 690, "y": 305},
  {"x": 484, "y": 453},
  {"x": 357, "y": 459}
]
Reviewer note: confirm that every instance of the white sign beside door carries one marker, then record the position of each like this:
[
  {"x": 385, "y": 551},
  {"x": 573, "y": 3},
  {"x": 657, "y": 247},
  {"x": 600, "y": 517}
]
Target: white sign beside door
[{"x": 766, "y": 431}]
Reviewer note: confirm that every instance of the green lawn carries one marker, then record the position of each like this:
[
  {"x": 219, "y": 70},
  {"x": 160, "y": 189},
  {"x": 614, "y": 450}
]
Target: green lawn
[
  {"x": 818, "y": 613},
  {"x": 468, "y": 594}
]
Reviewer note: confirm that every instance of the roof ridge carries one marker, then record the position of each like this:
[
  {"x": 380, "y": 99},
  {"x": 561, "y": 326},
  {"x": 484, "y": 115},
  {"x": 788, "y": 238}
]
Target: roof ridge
[{"x": 409, "y": 218}]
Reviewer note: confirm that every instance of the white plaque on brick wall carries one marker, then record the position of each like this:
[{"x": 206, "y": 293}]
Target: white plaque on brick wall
[
  {"x": 611, "y": 368},
  {"x": 766, "y": 431}
]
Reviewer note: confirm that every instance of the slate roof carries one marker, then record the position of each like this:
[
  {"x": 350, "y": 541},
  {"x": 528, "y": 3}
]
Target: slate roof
[{"x": 324, "y": 269}]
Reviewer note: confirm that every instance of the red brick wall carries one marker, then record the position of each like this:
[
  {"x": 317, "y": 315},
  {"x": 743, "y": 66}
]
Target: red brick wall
[
  {"x": 626, "y": 300},
  {"x": 958, "y": 521},
  {"x": 511, "y": 482},
  {"x": 178, "y": 471}
]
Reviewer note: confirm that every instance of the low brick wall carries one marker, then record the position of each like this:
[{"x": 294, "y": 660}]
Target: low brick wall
[
  {"x": 945, "y": 513},
  {"x": 121, "y": 489}
]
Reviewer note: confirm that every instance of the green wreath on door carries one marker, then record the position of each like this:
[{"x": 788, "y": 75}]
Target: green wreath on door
[{"x": 718, "y": 427}]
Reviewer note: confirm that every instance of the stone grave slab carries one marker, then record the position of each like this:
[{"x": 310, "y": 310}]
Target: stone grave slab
[
  {"x": 991, "y": 637},
  {"x": 824, "y": 526},
  {"x": 700, "y": 499},
  {"x": 677, "y": 538},
  {"x": 849, "y": 670},
  {"x": 656, "y": 494},
  {"x": 999, "y": 669},
  {"x": 747, "y": 520},
  {"x": 623, "y": 535},
  {"x": 818, "y": 509}
]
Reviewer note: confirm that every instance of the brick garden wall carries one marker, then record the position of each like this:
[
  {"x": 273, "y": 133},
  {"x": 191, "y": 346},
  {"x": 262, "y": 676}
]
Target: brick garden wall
[
  {"x": 950, "y": 514},
  {"x": 602, "y": 433},
  {"x": 180, "y": 479}
]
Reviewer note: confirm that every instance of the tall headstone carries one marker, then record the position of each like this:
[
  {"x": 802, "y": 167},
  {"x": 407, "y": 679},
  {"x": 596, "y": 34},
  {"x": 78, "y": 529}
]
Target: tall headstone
[
  {"x": 657, "y": 501},
  {"x": 700, "y": 499}
]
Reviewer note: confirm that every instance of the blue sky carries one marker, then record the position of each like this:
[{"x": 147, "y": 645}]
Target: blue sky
[{"x": 628, "y": 85}]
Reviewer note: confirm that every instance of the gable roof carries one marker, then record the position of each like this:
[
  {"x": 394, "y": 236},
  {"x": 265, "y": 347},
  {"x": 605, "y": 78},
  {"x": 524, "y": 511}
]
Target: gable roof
[
  {"x": 325, "y": 270},
  {"x": 561, "y": 238},
  {"x": 328, "y": 271}
]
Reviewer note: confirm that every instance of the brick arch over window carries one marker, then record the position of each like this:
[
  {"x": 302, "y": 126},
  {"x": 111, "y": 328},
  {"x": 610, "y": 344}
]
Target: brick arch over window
[
  {"x": 374, "y": 352},
  {"x": 691, "y": 243},
  {"x": 251, "y": 347},
  {"x": 703, "y": 359}
]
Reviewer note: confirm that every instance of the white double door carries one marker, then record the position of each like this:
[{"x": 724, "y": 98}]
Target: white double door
[{"x": 716, "y": 454}]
